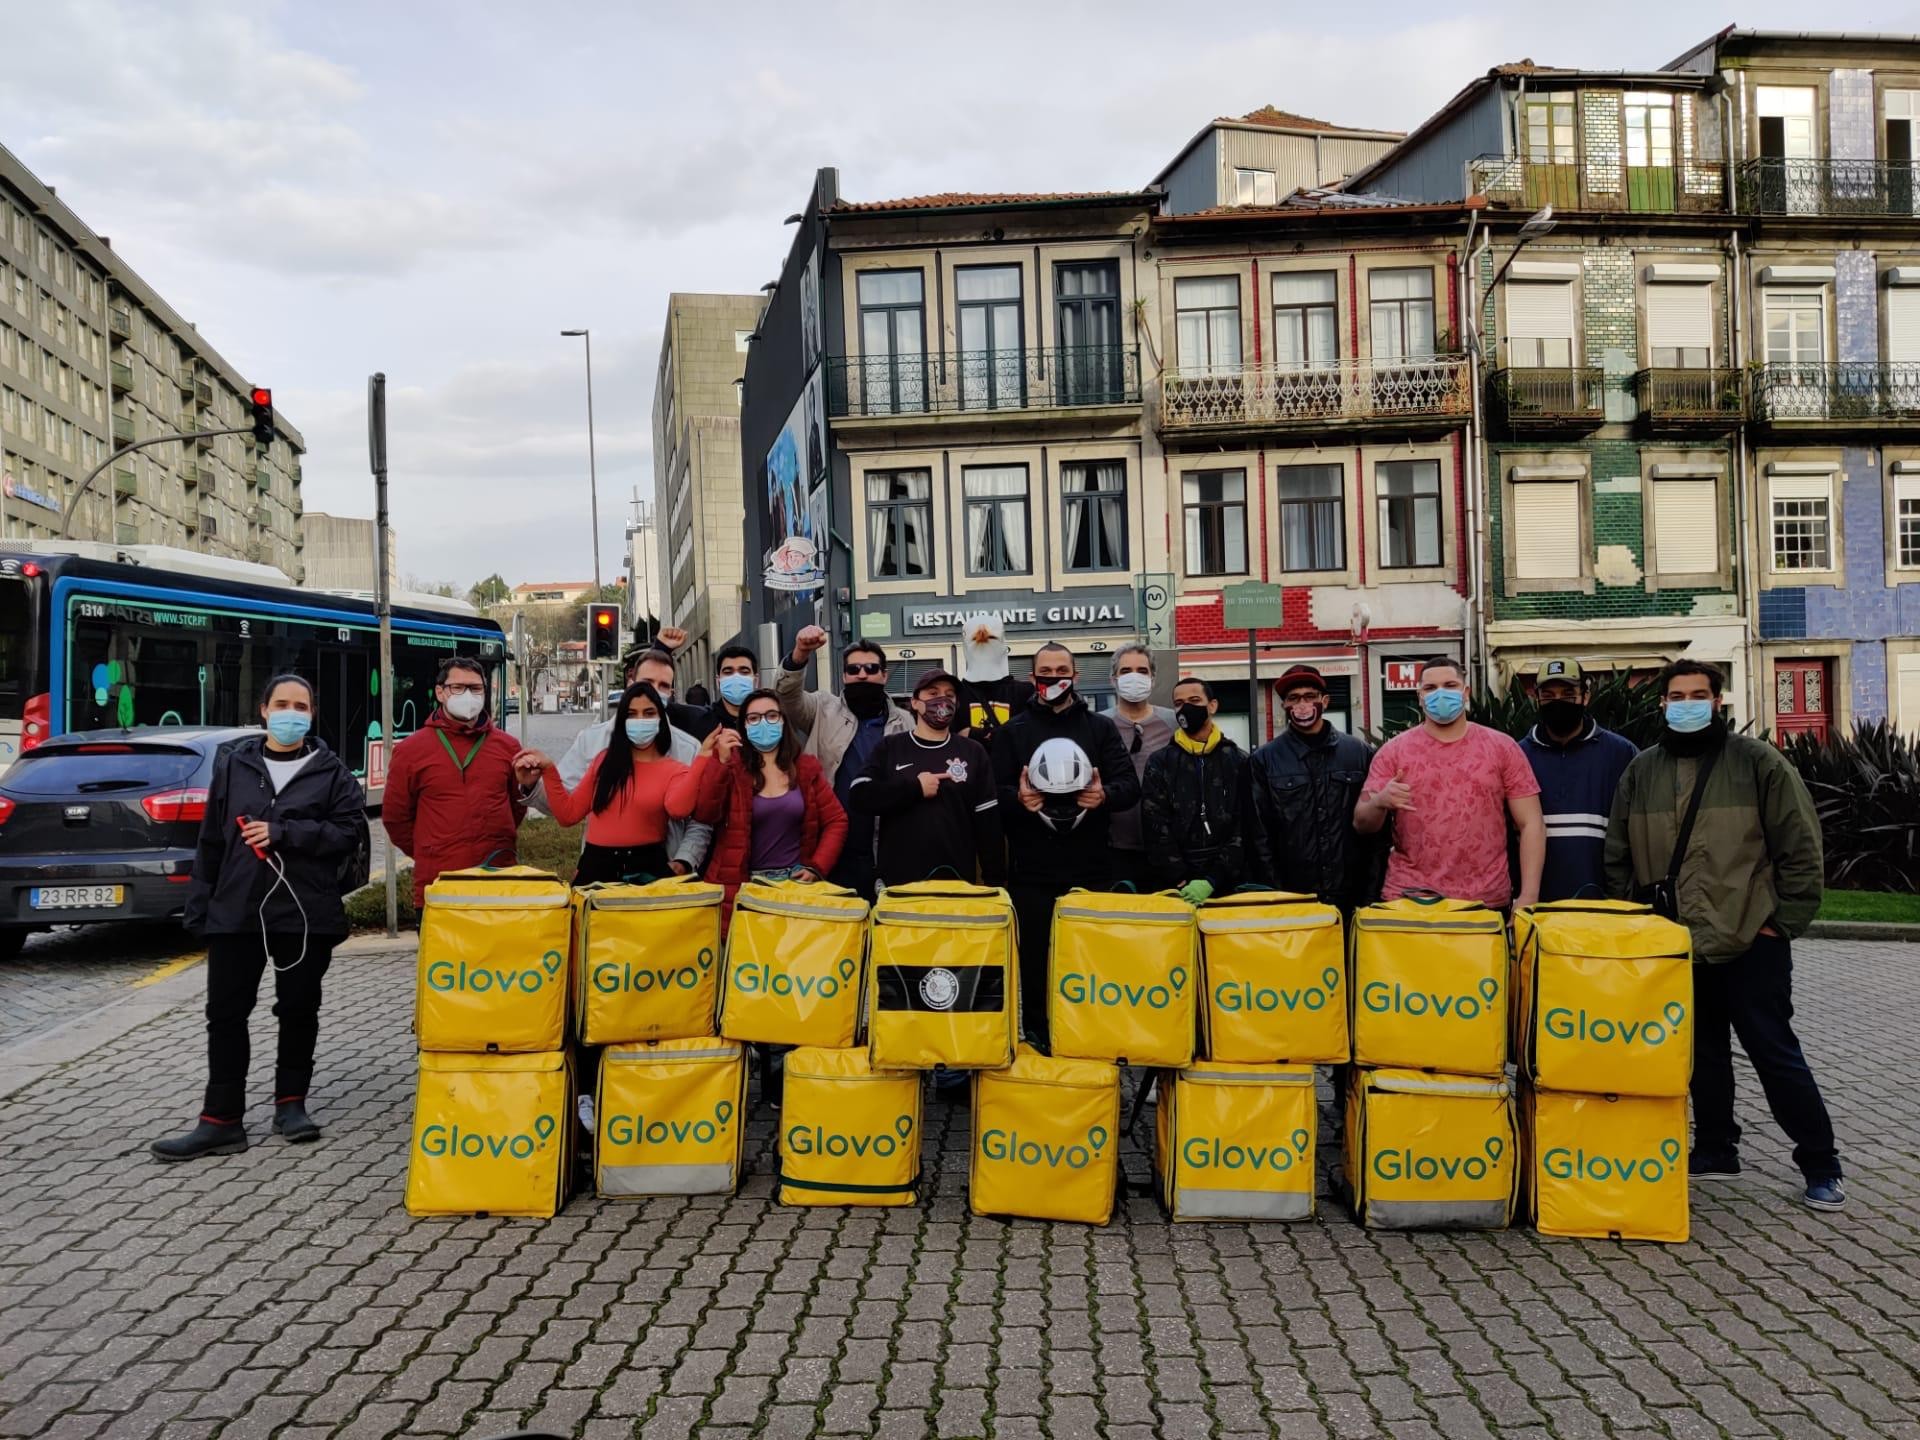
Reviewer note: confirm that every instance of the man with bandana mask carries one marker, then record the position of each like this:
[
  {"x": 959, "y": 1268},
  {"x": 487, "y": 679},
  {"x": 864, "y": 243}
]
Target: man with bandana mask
[
  {"x": 1578, "y": 765},
  {"x": 931, "y": 796},
  {"x": 1747, "y": 884},
  {"x": 844, "y": 732},
  {"x": 1304, "y": 784}
]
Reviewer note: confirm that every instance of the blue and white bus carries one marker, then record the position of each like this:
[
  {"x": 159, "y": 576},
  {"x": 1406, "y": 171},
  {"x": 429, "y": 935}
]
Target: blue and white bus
[{"x": 96, "y": 636}]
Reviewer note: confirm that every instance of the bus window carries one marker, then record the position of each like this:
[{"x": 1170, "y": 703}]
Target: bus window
[{"x": 17, "y": 646}]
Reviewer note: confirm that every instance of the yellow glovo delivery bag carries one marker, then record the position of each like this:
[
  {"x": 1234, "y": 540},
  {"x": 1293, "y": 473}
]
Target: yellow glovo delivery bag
[
  {"x": 1235, "y": 1142},
  {"x": 646, "y": 960},
  {"x": 1428, "y": 986},
  {"x": 1603, "y": 998},
  {"x": 1273, "y": 969},
  {"x": 794, "y": 956},
  {"x": 493, "y": 961},
  {"x": 492, "y": 1135},
  {"x": 1046, "y": 1139},
  {"x": 849, "y": 1134},
  {"x": 1611, "y": 1167},
  {"x": 1430, "y": 1152},
  {"x": 940, "y": 978},
  {"x": 1121, "y": 978},
  {"x": 670, "y": 1118}
]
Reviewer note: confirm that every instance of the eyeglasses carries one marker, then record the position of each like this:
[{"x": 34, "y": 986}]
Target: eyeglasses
[
  {"x": 464, "y": 689},
  {"x": 862, "y": 667},
  {"x": 1297, "y": 697}
]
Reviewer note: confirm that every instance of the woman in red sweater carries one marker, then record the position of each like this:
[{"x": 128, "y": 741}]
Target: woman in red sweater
[
  {"x": 629, "y": 793},
  {"x": 775, "y": 813}
]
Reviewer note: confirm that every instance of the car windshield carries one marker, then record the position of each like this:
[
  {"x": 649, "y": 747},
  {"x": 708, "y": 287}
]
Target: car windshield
[{"x": 94, "y": 769}]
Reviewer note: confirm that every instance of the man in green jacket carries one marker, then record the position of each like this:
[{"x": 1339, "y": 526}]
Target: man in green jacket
[{"x": 1748, "y": 885}]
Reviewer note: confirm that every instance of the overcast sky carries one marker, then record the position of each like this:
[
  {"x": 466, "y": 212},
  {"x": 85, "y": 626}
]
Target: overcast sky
[{"x": 436, "y": 189}]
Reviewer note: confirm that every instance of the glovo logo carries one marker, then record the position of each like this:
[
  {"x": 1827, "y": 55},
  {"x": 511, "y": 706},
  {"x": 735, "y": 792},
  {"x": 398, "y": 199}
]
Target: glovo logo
[
  {"x": 1409, "y": 1164},
  {"x": 456, "y": 1141},
  {"x": 1202, "y": 1152},
  {"x": 639, "y": 1130},
  {"x": 1397, "y": 999},
  {"x": 1565, "y": 1024},
  {"x": 759, "y": 978},
  {"x": 1234, "y": 996},
  {"x": 1007, "y": 1145},
  {"x": 628, "y": 978},
  {"x": 456, "y": 975},
  {"x": 1580, "y": 1164},
  {"x": 817, "y": 1140},
  {"x": 1078, "y": 989}
]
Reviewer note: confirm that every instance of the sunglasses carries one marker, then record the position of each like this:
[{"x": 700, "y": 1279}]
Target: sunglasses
[{"x": 862, "y": 667}]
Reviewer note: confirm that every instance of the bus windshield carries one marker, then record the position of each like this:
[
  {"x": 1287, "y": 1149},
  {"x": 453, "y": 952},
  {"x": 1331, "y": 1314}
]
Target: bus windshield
[{"x": 18, "y": 649}]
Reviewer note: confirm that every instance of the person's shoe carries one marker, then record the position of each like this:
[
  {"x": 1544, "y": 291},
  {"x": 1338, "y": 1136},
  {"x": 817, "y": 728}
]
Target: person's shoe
[
  {"x": 209, "y": 1137},
  {"x": 1825, "y": 1195},
  {"x": 1702, "y": 1166},
  {"x": 290, "y": 1119}
]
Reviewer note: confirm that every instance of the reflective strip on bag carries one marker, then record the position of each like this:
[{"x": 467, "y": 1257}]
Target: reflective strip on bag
[
  {"x": 1145, "y": 917},
  {"x": 1416, "y": 1085},
  {"x": 1201, "y": 1077},
  {"x": 501, "y": 902},
  {"x": 1193, "y": 1204},
  {"x": 1289, "y": 922},
  {"x": 654, "y": 902},
  {"x": 1437, "y": 1214},
  {"x": 1491, "y": 926},
  {"x": 670, "y": 1057},
  {"x": 919, "y": 917},
  {"x": 665, "y": 1179},
  {"x": 794, "y": 911}
]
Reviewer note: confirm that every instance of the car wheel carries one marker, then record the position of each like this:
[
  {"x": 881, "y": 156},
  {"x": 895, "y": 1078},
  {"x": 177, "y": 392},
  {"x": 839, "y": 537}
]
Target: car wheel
[{"x": 11, "y": 939}]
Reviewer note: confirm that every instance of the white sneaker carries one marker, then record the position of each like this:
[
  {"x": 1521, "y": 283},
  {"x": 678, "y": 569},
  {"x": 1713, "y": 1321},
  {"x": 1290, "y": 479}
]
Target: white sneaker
[{"x": 584, "y": 1108}]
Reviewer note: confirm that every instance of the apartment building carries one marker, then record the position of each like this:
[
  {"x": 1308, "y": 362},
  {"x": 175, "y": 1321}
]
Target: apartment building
[
  {"x": 91, "y": 359},
  {"x": 341, "y": 553},
  {"x": 1312, "y": 403},
  {"x": 697, "y": 475},
  {"x": 1260, "y": 158}
]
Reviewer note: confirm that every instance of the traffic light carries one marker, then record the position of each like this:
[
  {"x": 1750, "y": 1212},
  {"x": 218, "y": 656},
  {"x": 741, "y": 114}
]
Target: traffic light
[
  {"x": 261, "y": 403},
  {"x": 603, "y": 632}
]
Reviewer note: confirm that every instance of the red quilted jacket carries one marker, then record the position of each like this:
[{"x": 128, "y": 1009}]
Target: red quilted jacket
[{"x": 726, "y": 802}]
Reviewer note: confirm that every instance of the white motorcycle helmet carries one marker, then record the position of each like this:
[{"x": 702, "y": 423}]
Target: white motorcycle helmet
[{"x": 1060, "y": 770}]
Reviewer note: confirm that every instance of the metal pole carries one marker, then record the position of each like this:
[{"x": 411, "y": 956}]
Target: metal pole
[
  {"x": 1256, "y": 731},
  {"x": 383, "y": 598}
]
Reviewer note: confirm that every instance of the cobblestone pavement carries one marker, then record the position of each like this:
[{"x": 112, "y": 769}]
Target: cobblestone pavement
[
  {"x": 285, "y": 1292},
  {"x": 67, "y": 972}
]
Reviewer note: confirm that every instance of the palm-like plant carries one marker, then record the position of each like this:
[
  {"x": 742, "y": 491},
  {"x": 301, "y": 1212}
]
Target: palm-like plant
[{"x": 1866, "y": 791}]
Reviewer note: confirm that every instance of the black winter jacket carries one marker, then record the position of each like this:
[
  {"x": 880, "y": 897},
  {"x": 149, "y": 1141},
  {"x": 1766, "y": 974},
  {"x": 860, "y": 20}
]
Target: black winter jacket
[
  {"x": 1191, "y": 806},
  {"x": 1037, "y": 854},
  {"x": 1300, "y": 822},
  {"x": 315, "y": 826}
]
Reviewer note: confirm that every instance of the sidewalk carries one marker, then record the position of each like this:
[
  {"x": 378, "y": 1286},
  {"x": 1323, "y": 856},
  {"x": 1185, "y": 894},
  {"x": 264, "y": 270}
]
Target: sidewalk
[{"x": 285, "y": 1292}]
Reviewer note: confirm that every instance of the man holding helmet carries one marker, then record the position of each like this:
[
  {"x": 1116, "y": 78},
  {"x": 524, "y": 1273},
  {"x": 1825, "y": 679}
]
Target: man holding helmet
[{"x": 1055, "y": 805}]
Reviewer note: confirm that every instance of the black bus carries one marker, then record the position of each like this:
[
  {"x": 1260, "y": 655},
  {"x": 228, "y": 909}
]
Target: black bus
[{"x": 158, "y": 636}]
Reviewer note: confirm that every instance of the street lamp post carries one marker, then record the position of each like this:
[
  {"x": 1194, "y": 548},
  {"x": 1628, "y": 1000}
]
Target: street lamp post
[{"x": 593, "y": 483}]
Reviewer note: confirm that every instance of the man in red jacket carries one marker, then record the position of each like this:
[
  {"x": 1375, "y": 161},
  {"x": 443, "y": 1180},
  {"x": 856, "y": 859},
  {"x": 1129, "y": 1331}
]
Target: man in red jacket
[{"x": 453, "y": 798}]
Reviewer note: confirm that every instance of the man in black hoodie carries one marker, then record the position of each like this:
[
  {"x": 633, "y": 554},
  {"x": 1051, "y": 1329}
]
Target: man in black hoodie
[{"x": 1044, "y": 862}]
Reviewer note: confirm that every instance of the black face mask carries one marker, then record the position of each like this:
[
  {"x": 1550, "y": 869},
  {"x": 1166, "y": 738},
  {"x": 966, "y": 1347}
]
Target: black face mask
[
  {"x": 1563, "y": 717},
  {"x": 1193, "y": 718},
  {"x": 865, "y": 698}
]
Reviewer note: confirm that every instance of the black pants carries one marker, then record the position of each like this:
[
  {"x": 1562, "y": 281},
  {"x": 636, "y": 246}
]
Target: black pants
[
  {"x": 1752, "y": 997},
  {"x": 606, "y": 863},
  {"x": 1131, "y": 866},
  {"x": 234, "y": 966},
  {"x": 1033, "y": 914}
]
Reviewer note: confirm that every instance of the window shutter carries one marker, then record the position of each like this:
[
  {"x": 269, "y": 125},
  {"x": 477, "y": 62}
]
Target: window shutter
[
  {"x": 1538, "y": 310},
  {"x": 1546, "y": 530},
  {"x": 1685, "y": 538},
  {"x": 1903, "y": 324},
  {"x": 1800, "y": 487},
  {"x": 1906, "y": 701},
  {"x": 1680, "y": 317}
]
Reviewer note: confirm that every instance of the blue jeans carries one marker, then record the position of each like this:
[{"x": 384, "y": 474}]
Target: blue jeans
[{"x": 1752, "y": 997}]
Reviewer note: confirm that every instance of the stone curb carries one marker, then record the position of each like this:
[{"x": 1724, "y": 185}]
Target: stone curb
[
  {"x": 38, "y": 1055},
  {"x": 1863, "y": 930}
]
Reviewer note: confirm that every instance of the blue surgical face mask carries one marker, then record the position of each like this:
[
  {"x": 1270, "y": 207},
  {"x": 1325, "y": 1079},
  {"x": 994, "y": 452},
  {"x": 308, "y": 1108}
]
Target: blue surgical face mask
[
  {"x": 1443, "y": 707},
  {"x": 289, "y": 727},
  {"x": 1687, "y": 717},
  {"x": 644, "y": 732},
  {"x": 764, "y": 735},
  {"x": 734, "y": 689}
]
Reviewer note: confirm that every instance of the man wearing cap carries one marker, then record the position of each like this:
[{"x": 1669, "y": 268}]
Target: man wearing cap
[
  {"x": 1303, "y": 785},
  {"x": 1579, "y": 766},
  {"x": 932, "y": 796}
]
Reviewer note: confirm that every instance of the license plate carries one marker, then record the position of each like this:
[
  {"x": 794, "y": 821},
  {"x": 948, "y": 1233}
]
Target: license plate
[{"x": 76, "y": 897}]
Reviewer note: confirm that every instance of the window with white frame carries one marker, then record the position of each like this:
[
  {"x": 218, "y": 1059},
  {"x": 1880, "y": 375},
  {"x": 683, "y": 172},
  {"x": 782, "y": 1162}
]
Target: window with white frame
[
  {"x": 900, "y": 524},
  {"x": 1306, "y": 332},
  {"x": 1680, "y": 325},
  {"x": 1214, "y": 504},
  {"x": 1903, "y": 320},
  {"x": 997, "y": 529},
  {"x": 1207, "y": 324},
  {"x": 1686, "y": 510},
  {"x": 1649, "y": 118},
  {"x": 1400, "y": 313},
  {"x": 1093, "y": 504},
  {"x": 1906, "y": 515},
  {"x": 1546, "y": 521},
  {"x": 1540, "y": 326},
  {"x": 1796, "y": 326},
  {"x": 1253, "y": 187},
  {"x": 1906, "y": 693},
  {"x": 1410, "y": 529},
  {"x": 1801, "y": 510}
]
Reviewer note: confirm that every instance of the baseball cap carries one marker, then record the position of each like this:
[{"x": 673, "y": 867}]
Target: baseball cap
[
  {"x": 1301, "y": 675},
  {"x": 932, "y": 678},
  {"x": 1561, "y": 667}
]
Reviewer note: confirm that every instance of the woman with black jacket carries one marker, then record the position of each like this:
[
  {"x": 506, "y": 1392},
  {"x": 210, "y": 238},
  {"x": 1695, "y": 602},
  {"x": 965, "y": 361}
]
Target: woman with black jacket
[{"x": 285, "y": 823}]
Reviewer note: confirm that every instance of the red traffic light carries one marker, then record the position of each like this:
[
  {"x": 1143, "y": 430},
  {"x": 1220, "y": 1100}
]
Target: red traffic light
[
  {"x": 604, "y": 617},
  {"x": 262, "y": 395}
]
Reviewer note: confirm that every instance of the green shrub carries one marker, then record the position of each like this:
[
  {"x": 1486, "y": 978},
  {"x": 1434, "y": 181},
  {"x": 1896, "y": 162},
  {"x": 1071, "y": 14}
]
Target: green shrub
[
  {"x": 1866, "y": 789},
  {"x": 542, "y": 843}
]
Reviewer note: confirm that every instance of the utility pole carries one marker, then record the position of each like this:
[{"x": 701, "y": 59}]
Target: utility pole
[
  {"x": 383, "y": 598},
  {"x": 593, "y": 485}
]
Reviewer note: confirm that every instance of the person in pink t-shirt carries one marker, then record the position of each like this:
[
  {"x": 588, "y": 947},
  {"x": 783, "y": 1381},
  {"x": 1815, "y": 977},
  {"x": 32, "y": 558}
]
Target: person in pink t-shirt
[{"x": 1451, "y": 786}]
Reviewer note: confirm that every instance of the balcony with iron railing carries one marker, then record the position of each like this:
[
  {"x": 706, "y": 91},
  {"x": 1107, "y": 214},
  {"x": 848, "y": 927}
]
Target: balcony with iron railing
[
  {"x": 979, "y": 383},
  {"x": 1526, "y": 184},
  {"x": 1350, "y": 394},
  {"x": 1690, "y": 399},
  {"x": 1548, "y": 398},
  {"x": 1844, "y": 395},
  {"x": 1846, "y": 189}
]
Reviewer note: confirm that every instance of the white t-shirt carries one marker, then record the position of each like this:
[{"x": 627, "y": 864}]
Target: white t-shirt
[{"x": 281, "y": 771}]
